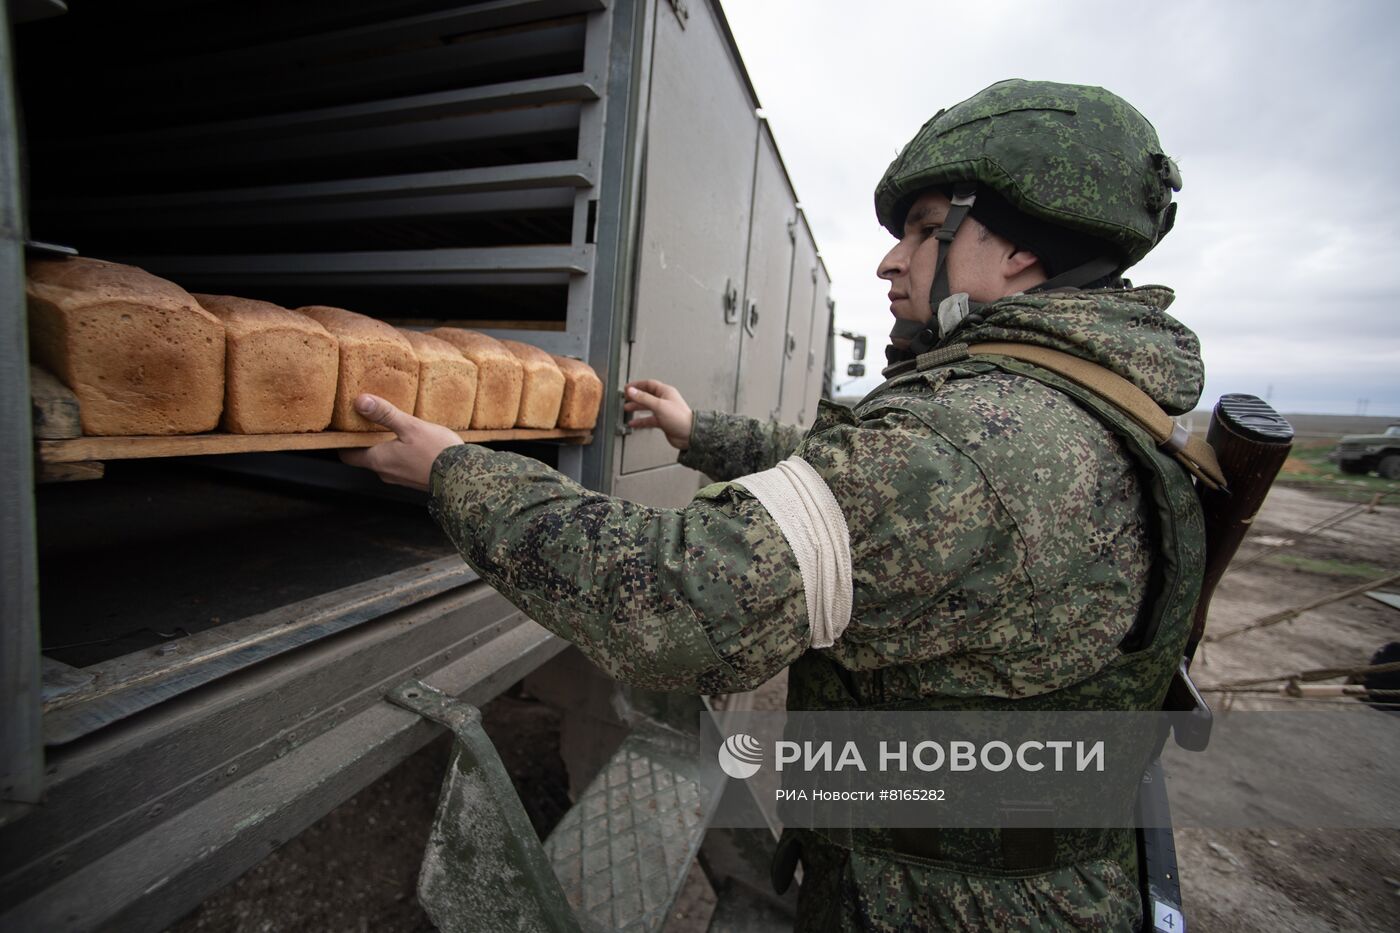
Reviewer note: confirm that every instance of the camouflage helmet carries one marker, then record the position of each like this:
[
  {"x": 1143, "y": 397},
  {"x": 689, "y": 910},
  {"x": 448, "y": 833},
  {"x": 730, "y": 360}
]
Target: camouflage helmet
[{"x": 1069, "y": 155}]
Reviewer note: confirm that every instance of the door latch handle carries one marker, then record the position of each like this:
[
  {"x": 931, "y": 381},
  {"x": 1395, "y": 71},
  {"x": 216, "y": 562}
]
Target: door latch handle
[{"x": 731, "y": 302}]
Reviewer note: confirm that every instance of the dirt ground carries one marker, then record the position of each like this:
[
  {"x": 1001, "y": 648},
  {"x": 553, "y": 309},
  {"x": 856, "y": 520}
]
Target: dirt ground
[
  {"x": 1239, "y": 881},
  {"x": 356, "y": 868}
]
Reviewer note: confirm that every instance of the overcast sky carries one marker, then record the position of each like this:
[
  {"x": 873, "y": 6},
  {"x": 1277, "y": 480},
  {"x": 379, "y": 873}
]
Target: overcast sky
[{"x": 1282, "y": 116}]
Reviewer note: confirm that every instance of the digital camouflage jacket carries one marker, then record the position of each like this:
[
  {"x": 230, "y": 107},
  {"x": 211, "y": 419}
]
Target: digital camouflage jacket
[{"x": 1000, "y": 541}]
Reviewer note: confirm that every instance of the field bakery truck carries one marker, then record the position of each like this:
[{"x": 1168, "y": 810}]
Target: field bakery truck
[{"x": 211, "y": 639}]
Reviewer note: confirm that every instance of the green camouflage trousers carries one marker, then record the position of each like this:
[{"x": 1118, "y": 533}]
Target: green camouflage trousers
[{"x": 845, "y": 890}]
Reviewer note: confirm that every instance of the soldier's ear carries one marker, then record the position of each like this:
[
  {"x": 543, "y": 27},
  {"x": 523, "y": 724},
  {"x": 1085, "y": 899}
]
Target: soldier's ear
[{"x": 1018, "y": 260}]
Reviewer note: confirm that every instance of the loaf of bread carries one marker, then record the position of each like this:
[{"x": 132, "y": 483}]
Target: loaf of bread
[
  {"x": 280, "y": 367},
  {"x": 583, "y": 394},
  {"x": 374, "y": 357},
  {"x": 499, "y": 376},
  {"x": 446, "y": 381},
  {"x": 542, "y": 389},
  {"x": 139, "y": 352}
]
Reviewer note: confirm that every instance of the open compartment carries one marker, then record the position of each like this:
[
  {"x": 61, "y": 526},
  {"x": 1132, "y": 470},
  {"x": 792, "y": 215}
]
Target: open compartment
[
  {"x": 424, "y": 163},
  {"x": 223, "y": 617},
  {"x": 420, "y": 162}
]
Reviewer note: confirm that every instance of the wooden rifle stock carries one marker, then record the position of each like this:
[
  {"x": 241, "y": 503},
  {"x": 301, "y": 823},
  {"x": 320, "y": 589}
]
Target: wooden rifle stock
[{"x": 1251, "y": 442}]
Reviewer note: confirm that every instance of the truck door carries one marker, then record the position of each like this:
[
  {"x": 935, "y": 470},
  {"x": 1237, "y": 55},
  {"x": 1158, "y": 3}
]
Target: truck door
[
  {"x": 797, "y": 404},
  {"x": 701, "y": 136},
  {"x": 820, "y": 352},
  {"x": 767, "y": 284}
]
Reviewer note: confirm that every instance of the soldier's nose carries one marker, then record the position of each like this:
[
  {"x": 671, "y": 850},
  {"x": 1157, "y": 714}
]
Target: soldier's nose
[{"x": 891, "y": 265}]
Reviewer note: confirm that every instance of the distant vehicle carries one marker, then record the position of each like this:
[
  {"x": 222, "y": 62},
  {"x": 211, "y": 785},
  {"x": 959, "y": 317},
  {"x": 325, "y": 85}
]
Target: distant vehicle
[{"x": 1362, "y": 453}]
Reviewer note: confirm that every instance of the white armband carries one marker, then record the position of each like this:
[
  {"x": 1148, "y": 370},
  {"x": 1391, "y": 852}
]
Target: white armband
[{"x": 811, "y": 520}]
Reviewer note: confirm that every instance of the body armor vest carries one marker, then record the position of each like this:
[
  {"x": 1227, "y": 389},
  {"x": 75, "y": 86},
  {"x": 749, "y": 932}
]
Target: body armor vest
[{"x": 1137, "y": 679}]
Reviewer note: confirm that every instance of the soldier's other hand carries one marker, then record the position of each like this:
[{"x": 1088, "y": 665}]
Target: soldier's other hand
[
  {"x": 664, "y": 407},
  {"x": 408, "y": 459}
]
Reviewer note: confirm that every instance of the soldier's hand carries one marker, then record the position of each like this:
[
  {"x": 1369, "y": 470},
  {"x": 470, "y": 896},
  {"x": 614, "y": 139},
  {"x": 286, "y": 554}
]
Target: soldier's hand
[
  {"x": 408, "y": 459},
  {"x": 664, "y": 407}
]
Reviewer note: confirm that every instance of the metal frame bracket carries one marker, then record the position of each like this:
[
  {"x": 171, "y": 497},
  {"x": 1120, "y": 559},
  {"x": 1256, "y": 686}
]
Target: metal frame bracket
[{"x": 484, "y": 868}]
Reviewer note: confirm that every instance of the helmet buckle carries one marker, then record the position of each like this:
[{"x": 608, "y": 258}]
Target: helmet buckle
[
  {"x": 1168, "y": 171},
  {"x": 951, "y": 312}
]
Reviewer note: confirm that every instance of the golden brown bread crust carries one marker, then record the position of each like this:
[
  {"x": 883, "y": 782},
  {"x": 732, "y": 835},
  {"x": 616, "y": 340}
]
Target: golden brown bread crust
[
  {"x": 374, "y": 358},
  {"x": 583, "y": 394},
  {"x": 542, "y": 389},
  {"x": 446, "y": 381},
  {"x": 138, "y": 351},
  {"x": 499, "y": 377},
  {"x": 281, "y": 367}
]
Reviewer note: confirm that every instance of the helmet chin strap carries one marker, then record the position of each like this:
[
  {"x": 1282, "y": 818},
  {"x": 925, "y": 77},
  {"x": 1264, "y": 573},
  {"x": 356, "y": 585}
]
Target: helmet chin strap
[
  {"x": 949, "y": 310},
  {"x": 1080, "y": 275}
]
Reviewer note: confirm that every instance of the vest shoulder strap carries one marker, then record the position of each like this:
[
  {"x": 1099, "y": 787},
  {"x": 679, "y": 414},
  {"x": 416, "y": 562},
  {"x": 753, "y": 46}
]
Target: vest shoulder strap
[{"x": 1193, "y": 452}]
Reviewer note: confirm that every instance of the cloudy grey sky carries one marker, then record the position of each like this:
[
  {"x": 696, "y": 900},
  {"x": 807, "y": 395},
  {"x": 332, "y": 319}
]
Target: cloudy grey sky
[{"x": 1284, "y": 118}]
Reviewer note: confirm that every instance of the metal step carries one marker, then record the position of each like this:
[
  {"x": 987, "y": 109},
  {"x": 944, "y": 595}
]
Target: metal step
[
  {"x": 622, "y": 853},
  {"x": 616, "y": 861}
]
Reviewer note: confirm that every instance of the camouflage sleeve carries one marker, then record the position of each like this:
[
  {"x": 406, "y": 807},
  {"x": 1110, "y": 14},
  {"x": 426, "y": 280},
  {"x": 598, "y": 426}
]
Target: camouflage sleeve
[
  {"x": 933, "y": 555},
  {"x": 707, "y": 598},
  {"x": 724, "y": 446}
]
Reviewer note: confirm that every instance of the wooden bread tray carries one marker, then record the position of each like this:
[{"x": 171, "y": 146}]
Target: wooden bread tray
[
  {"x": 79, "y": 449},
  {"x": 63, "y": 453}
]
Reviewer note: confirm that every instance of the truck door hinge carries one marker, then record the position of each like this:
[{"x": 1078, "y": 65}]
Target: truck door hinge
[
  {"x": 623, "y": 428},
  {"x": 681, "y": 10}
]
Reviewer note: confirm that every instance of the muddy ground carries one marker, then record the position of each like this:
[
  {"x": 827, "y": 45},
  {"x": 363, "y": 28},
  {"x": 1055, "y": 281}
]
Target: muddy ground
[
  {"x": 1298, "y": 881},
  {"x": 355, "y": 869}
]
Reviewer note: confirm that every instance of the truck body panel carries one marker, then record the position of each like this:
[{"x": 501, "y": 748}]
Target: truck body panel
[{"x": 589, "y": 176}]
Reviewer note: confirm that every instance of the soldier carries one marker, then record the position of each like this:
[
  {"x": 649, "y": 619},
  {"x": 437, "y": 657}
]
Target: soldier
[{"x": 978, "y": 533}]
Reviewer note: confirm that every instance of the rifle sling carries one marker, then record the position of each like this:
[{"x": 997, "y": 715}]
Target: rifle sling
[{"x": 1193, "y": 452}]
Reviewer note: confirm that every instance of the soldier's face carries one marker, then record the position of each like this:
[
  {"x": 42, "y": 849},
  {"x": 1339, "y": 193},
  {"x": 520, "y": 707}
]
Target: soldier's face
[{"x": 975, "y": 261}]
